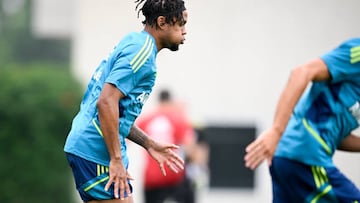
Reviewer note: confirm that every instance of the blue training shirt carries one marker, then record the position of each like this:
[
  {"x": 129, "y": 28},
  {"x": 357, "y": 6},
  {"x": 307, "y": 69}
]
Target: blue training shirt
[
  {"x": 327, "y": 112},
  {"x": 131, "y": 67}
]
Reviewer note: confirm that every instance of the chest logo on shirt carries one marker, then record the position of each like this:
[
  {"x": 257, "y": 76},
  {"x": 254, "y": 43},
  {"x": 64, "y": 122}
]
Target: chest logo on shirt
[
  {"x": 143, "y": 97},
  {"x": 355, "y": 111},
  {"x": 97, "y": 75}
]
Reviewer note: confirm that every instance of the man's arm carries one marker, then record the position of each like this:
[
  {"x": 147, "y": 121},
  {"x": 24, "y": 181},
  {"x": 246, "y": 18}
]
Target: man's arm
[
  {"x": 263, "y": 148},
  {"x": 139, "y": 137},
  {"x": 108, "y": 108},
  {"x": 162, "y": 152},
  {"x": 351, "y": 144},
  {"x": 315, "y": 70},
  {"x": 108, "y": 115}
]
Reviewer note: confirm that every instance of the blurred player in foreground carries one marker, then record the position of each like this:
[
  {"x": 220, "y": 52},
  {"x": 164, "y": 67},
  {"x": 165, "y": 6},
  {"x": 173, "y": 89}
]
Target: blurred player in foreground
[
  {"x": 309, "y": 125},
  {"x": 96, "y": 147}
]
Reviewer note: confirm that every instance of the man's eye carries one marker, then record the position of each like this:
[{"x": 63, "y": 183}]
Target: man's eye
[{"x": 182, "y": 23}]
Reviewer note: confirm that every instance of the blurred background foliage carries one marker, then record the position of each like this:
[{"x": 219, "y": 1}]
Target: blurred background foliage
[{"x": 39, "y": 97}]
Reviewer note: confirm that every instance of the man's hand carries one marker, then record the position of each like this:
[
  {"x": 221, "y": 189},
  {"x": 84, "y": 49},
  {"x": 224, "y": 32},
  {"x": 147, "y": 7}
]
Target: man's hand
[
  {"x": 164, "y": 154},
  {"x": 119, "y": 176},
  {"x": 262, "y": 148}
]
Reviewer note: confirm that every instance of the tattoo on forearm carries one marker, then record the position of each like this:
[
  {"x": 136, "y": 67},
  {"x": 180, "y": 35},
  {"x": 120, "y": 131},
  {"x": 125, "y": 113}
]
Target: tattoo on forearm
[{"x": 138, "y": 136}]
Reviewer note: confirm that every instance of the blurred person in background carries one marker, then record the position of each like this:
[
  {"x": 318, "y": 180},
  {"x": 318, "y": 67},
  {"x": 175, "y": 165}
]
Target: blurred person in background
[
  {"x": 168, "y": 122},
  {"x": 310, "y": 124},
  {"x": 95, "y": 147}
]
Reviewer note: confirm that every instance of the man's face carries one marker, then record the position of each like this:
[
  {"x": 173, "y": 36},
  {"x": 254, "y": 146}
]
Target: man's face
[{"x": 176, "y": 33}]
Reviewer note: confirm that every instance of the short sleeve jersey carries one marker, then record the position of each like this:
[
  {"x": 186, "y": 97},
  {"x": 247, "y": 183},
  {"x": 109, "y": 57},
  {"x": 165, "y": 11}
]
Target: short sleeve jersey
[
  {"x": 327, "y": 112},
  {"x": 131, "y": 68}
]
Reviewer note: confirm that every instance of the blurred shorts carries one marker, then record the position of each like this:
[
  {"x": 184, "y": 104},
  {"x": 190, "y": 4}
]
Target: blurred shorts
[
  {"x": 295, "y": 182},
  {"x": 90, "y": 179}
]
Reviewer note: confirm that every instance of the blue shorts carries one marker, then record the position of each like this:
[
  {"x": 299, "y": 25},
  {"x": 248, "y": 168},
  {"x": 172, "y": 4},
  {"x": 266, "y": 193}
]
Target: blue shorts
[
  {"x": 295, "y": 182},
  {"x": 90, "y": 179}
]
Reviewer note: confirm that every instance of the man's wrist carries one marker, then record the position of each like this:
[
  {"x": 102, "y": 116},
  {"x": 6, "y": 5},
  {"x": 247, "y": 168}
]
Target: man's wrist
[
  {"x": 116, "y": 157},
  {"x": 149, "y": 143}
]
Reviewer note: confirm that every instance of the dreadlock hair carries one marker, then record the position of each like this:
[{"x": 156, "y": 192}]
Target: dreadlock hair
[{"x": 171, "y": 9}]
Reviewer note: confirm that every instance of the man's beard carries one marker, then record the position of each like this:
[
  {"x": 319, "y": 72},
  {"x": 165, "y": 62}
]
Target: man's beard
[{"x": 174, "y": 47}]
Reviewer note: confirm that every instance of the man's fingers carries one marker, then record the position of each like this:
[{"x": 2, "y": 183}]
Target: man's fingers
[
  {"x": 172, "y": 167},
  {"x": 127, "y": 190},
  {"x": 251, "y": 146},
  {"x": 250, "y": 160},
  {"x": 129, "y": 177},
  {"x": 108, "y": 184},
  {"x": 173, "y": 146},
  {"x": 121, "y": 186},
  {"x": 122, "y": 189},
  {"x": 116, "y": 186},
  {"x": 254, "y": 156},
  {"x": 162, "y": 168},
  {"x": 178, "y": 163},
  {"x": 177, "y": 159},
  {"x": 255, "y": 162},
  {"x": 116, "y": 189}
]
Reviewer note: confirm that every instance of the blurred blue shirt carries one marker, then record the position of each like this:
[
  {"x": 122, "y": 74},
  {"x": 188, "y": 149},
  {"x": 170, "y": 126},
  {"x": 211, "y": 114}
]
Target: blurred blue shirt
[{"x": 327, "y": 112}]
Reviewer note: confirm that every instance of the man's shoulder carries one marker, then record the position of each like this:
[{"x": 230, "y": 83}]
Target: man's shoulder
[
  {"x": 135, "y": 38},
  {"x": 135, "y": 42}
]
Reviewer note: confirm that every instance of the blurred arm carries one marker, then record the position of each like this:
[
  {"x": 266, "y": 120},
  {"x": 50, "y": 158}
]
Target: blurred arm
[
  {"x": 263, "y": 148},
  {"x": 351, "y": 144},
  {"x": 315, "y": 70}
]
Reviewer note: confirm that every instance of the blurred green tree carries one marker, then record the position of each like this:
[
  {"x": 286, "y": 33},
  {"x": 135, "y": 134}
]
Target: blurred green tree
[
  {"x": 38, "y": 98},
  {"x": 36, "y": 108}
]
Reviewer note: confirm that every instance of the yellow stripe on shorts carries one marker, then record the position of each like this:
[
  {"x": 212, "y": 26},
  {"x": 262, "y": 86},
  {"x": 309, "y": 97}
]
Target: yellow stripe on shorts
[{"x": 96, "y": 183}]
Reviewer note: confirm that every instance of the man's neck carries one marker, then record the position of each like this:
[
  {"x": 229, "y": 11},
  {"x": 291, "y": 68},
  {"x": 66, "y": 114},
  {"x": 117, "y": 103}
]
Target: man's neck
[{"x": 156, "y": 34}]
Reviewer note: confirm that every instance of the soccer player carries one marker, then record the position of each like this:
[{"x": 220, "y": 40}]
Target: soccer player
[
  {"x": 309, "y": 125},
  {"x": 96, "y": 145}
]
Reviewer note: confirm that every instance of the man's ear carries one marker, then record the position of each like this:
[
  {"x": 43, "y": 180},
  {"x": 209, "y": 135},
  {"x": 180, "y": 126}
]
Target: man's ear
[{"x": 161, "y": 22}]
